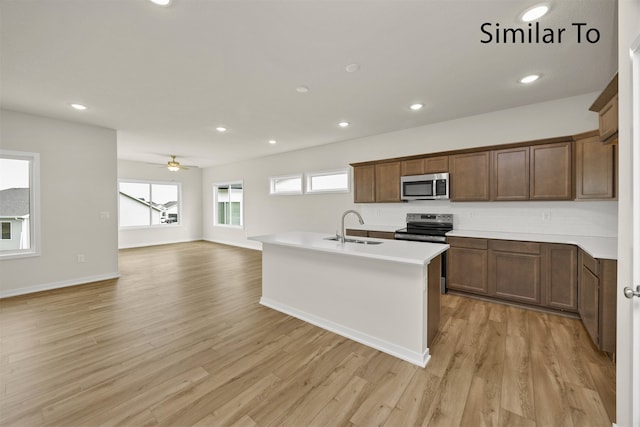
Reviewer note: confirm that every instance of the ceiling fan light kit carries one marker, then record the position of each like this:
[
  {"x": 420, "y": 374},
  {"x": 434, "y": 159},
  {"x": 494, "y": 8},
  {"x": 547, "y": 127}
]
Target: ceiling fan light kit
[{"x": 173, "y": 165}]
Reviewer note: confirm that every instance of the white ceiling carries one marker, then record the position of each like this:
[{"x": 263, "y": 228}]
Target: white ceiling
[{"x": 166, "y": 77}]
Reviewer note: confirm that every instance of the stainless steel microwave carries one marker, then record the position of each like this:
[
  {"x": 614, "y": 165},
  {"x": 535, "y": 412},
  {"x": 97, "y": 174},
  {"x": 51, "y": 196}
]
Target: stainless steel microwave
[{"x": 425, "y": 187}]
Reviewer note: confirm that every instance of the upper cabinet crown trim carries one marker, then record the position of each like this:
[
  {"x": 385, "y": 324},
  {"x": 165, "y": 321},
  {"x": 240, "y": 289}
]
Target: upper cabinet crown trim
[
  {"x": 607, "y": 94},
  {"x": 470, "y": 150}
]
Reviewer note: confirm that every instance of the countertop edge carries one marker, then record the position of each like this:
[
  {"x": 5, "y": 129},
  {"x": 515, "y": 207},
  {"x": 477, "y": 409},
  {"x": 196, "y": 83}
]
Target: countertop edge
[
  {"x": 590, "y": 244},
  {"x": 269, "y": 239}
]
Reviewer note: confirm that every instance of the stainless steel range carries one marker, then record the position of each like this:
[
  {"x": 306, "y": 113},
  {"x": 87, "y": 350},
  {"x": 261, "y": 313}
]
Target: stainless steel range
[
  {"x": 426, "y": 227},
  {"x": 430, "y": 228}
]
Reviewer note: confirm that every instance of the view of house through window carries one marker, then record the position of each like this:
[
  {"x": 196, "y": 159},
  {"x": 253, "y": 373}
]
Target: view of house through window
[
  {"x": 6, "y": 231},
  {"x": 286, "y": 184},
  {"x": 17, "y": 202},
  {"x": 228, "y": 204},
  {"x": 146, "y": 204}
]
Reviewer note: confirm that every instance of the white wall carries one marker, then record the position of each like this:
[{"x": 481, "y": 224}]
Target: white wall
[
  {"x": 267, "y": 214},
  {"x": 190, "y": 227},
  {"x": 586, "y": 218},
  {"x": 77, "y": 184},
  {"x": 628, "y": 30}
]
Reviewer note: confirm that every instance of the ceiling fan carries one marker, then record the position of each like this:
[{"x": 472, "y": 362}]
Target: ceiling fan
[{"x": 173, "y": 165}]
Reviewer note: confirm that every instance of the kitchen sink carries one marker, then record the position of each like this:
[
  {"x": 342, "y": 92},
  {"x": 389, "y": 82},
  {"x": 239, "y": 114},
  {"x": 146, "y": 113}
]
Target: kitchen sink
[{"x": 347, "y": 240}]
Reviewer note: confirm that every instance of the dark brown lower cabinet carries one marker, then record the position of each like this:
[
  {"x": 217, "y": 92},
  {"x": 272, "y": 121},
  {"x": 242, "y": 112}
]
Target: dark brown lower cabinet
[
  {"x": 382, "y": 235},
  {"x": 597, "y": 281},
  {"x": 560, "y": 276},
  {"x": 434, "y": 271},
  {"x": 514, "y": 271},
  {"x": 357, "y": 233},
  {"x": 540, "y": 274},
  {"x": 467, "y": 265},
  {"x": 371, "y": 233},
  {"x": 589, "y": 301},
  {"x": 554, "y": 276}
]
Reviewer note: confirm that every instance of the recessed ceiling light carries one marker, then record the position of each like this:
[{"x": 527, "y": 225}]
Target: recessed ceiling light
[
  {"x": 535, "y": 12},
  {"x": 161, "y": 2},
  {"x": 352, "y": 68},
  {"x": 530, "y": 78},
  {"x": 79, "y": 106},
  {"x": 272, "y": 141},
  {"x": 343, "y": 124},
  {"x": 302, "y": 89},
  {"x": 221, "y": 129},
  {"x": 416, "y": 107}
]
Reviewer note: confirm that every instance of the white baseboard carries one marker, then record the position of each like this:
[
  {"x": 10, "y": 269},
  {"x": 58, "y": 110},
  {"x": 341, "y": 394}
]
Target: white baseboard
[
  {"x": 248, "y": 245},
  {"x": 57, "y": 285},
  {"x": 158, "y": 243},
  {"x": 368, "y": 340}
]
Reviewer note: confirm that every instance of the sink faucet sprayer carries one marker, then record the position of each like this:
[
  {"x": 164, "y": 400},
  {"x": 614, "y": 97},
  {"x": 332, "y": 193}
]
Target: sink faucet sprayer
[{"x": 342, "y": 238}]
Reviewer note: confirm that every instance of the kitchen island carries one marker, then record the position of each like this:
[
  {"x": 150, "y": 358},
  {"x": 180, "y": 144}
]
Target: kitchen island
[{"x": 383, "y": 293}]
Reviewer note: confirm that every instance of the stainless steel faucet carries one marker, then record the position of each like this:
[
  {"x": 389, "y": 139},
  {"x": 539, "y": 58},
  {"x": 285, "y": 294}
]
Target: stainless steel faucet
[{"x": 342, "y": 238}]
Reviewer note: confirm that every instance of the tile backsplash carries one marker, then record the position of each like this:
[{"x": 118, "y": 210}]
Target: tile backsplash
[{"x": 597, "y": 218}]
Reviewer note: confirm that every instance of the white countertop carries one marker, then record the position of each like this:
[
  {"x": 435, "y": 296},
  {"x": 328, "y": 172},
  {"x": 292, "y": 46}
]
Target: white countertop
[
  {"x": 389, "y": 250},
  {"x": 597, "y": 247}
]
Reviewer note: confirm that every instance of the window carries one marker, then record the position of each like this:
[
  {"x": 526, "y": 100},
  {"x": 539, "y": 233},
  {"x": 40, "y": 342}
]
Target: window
[
  {"x": 146, "y": 204},
  {"x": 19, "y": 203},
  {"x": 6, "y": 231},
  {"x": 291, "y": 184},
  {"x": 227, "y": 200},
  {"x": 328, "y": 181}
]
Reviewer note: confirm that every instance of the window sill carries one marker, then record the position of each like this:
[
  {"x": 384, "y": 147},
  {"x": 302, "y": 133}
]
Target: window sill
[
  {"x": 236, "y": 227},
  {"x": 16, "y": 255},
  {"x": 149, "y": 227}
]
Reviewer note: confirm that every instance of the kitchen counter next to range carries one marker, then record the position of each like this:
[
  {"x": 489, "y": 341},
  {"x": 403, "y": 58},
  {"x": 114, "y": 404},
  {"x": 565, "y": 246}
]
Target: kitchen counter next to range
[
  {"x": 386, "y": 296},
  {"x": 389, "y": 250},
  {"x": 378, "y": 227},
  {"x": 597, "y": 247}
]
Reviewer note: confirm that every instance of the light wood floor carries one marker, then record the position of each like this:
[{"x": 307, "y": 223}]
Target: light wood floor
[{"x": 180, "y": 339}]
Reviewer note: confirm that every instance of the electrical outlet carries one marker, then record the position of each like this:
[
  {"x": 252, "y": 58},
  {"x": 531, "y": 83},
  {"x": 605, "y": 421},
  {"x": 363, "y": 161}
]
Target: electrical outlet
[
  {"x": 546, "y": 216},
  {"x": 80, "y": 258},
  {"x": 105, "y": 215}
]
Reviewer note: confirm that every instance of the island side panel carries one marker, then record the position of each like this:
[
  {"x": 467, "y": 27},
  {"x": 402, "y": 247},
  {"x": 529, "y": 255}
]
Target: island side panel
[
  {"x": 378, "y": 303},
  {"x": 433, "y": 298}
]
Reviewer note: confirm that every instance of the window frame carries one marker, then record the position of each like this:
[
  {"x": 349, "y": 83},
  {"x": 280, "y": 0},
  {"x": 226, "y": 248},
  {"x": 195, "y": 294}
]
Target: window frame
[
  {"x": 274, "y": 179},
  {"x": 2, "y": 223},
  {"x": 310, "y": 175},
  {"x": 151, "y": 225},
  {"x": 214, "y": 191},
  {"x": 34, "y": 205}
]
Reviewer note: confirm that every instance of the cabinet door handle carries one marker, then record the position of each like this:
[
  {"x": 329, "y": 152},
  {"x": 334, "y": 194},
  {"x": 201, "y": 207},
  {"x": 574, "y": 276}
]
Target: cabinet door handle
[{"x": 630, "y": 293}]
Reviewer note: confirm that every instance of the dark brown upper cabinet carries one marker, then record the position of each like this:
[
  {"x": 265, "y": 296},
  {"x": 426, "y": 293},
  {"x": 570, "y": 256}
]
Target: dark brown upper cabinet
[
  {"x": 387, "y": 178},
  {"x": 364, "y": 181},
  {"x": 412, "y": 167},
  {"x": 595, "y": 168},
  {"x": 425, "y": 165},
  {"x": 470, "y": 176},
  {"x": 551, "y": 176},
  {"x": 564, "y": 168},
  {"x": 377, "y": 182},
  {"x": 438, "y": 164},
  {"x": 510, "y": 178}
]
